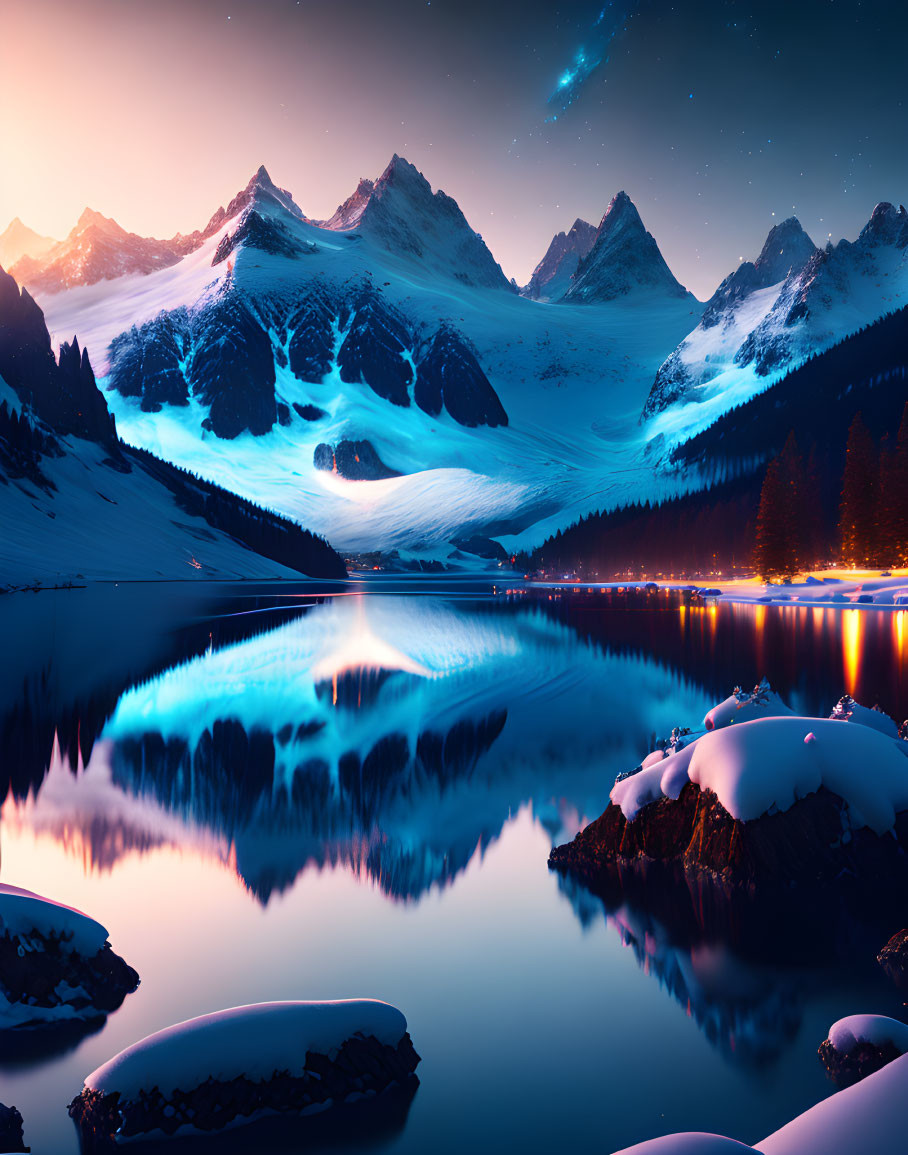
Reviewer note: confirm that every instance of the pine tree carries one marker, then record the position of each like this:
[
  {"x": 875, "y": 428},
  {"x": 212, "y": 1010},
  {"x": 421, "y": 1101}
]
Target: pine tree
[
  {"x": 774, "y": 554},
  {"x": 893, "y": 514},
  {"x": 859, "y": 505}
]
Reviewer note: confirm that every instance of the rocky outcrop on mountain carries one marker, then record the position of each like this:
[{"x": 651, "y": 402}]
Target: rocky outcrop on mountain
[
  {"x": 231, "y": 369},
  {"x": 552, "y": 277},
  {"x": 624, "y": 258},
  {"x": 18, "y": 240},
  {"x": 374, "y": 351},
  {"x": 62, "y": 392},
  {"x": 347, "y": 215},
  {"x": 354, "y": 460},
  {"x": 404, "y": 216},
  {"x": 11, "y": 1130},
  {"x": 264, "y": 233},
  {"x": 261, "y": 190},
  {"x": 448, "y": 375},
  {"x": 146, "y": 361},
  {"x": 96, "y": 249}
]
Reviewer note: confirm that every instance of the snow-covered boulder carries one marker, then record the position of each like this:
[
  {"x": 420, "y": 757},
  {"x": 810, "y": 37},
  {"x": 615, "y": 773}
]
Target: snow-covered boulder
[
  {"x": 773, "y": 799},
  {"x": 228, "y": 1068},
  {"x": 56, "y": 964},
  {"x": 859, "y": 1045},
  {"x": 848, "y": 710},
  {"x": 893, "y": 958},
  {"x": 741, "y": 706}
]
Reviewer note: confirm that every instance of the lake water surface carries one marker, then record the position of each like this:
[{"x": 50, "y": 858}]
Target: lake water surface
[{"x": 298, "y": 793}]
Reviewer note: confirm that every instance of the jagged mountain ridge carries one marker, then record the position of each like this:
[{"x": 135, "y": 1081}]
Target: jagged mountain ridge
[
  {"x": 552, "y": 277},
  {"x": 793, "y": 301},
  {"x": 18, "y": 240},
  {"x": 623, "y": 259}
]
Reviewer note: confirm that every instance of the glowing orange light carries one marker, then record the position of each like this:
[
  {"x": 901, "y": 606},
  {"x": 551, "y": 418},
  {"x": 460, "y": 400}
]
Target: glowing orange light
[{"x": 852, "y": 643}]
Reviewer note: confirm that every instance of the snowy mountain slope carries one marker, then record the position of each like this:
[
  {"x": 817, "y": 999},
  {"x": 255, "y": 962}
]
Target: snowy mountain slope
[
  {"x": 551, "y": 278},
  {"x": 75, "y": 503},
  {"x": 432, "y": 368},
  {"x": 624, "y": 259},
  {"x": 765, "y": 319},
  {"x": 18, "y": 240}
]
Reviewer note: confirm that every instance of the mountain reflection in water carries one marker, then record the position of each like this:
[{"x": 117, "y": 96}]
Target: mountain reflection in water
[{"x": 382, "y": 773}]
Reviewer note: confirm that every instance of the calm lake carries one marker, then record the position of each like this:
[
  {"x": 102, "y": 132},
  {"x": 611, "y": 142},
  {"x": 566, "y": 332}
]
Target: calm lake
[{"x": 295, "y": 792}]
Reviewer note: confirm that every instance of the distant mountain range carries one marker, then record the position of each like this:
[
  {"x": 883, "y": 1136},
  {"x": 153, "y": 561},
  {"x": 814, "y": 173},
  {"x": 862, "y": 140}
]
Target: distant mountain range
[{"x": 376, "y": 376}]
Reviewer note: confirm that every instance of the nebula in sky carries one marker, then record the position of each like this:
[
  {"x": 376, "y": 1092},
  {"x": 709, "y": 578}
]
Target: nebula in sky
[{"x": 610, "y": 24}]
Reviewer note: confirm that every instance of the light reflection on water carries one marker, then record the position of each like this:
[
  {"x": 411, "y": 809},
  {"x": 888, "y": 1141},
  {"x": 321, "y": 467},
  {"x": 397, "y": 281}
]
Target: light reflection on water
[{"x": 360, "y": 800}]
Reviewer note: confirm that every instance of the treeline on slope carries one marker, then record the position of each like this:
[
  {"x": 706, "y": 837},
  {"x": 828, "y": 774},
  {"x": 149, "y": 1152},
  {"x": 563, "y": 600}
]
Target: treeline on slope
[
  {"x": 872, "y": 525},
  {"x": 841, "y": 480},
  {"x": 22, "y": 445},
  {"x": 866, "y": 372},
  {"x": 703, "y": 532},
  {"x": 266, "y": 533}
]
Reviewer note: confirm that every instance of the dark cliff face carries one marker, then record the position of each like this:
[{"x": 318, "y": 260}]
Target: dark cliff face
[
  {"x": 225, "y": 352},
  {"x": 63, "y": 393},
  {"x": 810, "y": 842}
]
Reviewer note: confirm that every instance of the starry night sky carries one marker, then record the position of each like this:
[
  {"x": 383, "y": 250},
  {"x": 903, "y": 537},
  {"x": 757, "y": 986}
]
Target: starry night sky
[{"x": 719, "y": 117}]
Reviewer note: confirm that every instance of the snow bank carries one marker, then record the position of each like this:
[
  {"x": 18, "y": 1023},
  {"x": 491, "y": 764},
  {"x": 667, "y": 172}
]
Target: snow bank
[
  {"x": 22, "y": 913},
  {"x": 877, "y": 1030},
  {"x": 689, "y": 1143},
  {"x": 769, "y": 763},
  {"x": 253, "y": 1041},
  {"x": 870, "y": 1116}
]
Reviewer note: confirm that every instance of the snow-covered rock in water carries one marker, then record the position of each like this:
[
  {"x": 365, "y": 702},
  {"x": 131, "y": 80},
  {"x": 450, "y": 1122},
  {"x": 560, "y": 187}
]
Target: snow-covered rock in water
[
  {"x": 227, "y": 1068},
  {"x": 766, "y": 318},
  {"x": 859, "y": 1045},
  {"x": 11, "y": 1134},
  {"x": 770, "y": 800},
  {"x": 741, "y": 706},
  {"x": 623, "y": 260},
  {"x": 893, "y": 958},
  {"x": 56, "y": 965},
  {"x": 552, "y": 277}
]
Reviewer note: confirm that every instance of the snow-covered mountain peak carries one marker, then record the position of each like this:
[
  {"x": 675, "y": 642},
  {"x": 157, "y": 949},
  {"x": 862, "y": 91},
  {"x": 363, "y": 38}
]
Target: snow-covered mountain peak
[
  {"x": 347, "y": 215},
  {"x": 90, "y": 219},
  {"x": 551, "y": 278},
  {"x": 624, "y": 258},
  {"x": 787, "y": 248},
  {"x": 888, "y": 225},
  {"x": 18, "y": 240},
  {"x": 402, "y": 215}
]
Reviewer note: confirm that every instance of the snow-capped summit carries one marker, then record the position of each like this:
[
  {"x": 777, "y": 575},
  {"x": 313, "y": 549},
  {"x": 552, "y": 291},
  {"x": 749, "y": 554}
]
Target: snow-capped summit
[
  {"x": 786, "y": 250},
  {"x": 551, "y": 278},
  {"x": 96, "y": 249},
  {"x": 347, "y": 215},
  {"x": 624, "y": 258},
  {"x": 261, "y": 190},
  {"x": 793, "y": 301},
  {"x": 402, "y": 215},
  {"x": 18, "y": 241}
]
